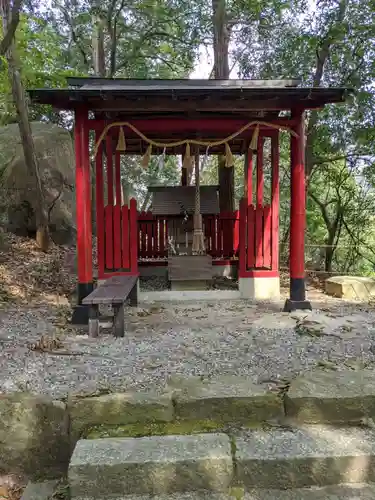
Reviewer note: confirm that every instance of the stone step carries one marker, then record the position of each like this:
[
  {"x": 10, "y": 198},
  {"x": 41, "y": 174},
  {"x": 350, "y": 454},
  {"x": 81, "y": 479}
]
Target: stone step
[
  {"x": 312, "y": 455},
  {"x": 104, "y": 468},
  {"x": 336, "y": 492}
]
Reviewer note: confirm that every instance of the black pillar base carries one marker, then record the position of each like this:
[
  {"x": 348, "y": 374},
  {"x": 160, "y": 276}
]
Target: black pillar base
[
  {"x": 297, "y": 300},
  {"x": 80, "y": 314},
  {"x": 297, "y": 305}
]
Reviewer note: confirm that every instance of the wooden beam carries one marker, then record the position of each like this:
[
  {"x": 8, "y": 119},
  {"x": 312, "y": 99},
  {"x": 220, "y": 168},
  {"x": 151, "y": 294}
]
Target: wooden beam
[
  {"x": 208, "y": 105},
  {"x": 184, "y": 126}
]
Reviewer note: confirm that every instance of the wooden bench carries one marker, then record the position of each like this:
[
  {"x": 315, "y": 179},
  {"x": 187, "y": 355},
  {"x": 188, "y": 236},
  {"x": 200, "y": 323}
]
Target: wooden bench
[{"x": 115, "y": 291}]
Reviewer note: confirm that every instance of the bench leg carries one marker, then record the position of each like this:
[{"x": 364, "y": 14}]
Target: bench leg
[
  {"x": 133, "y": 296},
  {"x": 94, "y": 321},
  {"x": 118, "y": 320}
]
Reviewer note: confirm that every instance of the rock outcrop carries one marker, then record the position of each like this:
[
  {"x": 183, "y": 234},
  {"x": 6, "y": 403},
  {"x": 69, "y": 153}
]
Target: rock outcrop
[{"x": 55, "y": 153}]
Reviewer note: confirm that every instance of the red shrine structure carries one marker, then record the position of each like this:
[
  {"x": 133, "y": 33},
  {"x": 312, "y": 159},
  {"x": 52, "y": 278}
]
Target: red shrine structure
[{"x": 232, "y": 117}]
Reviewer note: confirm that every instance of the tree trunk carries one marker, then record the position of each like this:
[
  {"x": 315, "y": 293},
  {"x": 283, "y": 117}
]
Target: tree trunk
[
  {"x": 98, "y": 61},
  {"x": 322, "y": 55},
  {"x": 98, "y": 55},
  {"x": 18, "y": 93},
  {"x": 221, "y": 72}
]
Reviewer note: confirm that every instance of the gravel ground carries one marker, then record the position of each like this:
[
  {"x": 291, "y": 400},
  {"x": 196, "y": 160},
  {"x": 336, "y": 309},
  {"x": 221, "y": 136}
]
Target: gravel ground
[
  {"x": 158, "y": 283},
  {"x": 186, "y": 339}
]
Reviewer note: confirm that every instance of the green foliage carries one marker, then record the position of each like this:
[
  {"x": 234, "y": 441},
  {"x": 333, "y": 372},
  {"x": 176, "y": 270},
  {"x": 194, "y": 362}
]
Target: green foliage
[
  {"x": 340, "y": 160},
  {"x": 270, "y": 39}
]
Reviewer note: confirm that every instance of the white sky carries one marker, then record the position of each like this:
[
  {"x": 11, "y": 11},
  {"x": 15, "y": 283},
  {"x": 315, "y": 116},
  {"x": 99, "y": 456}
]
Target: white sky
[{"x": 205, "y": 62}]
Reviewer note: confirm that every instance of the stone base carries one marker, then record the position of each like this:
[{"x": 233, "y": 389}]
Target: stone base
[
  {"x": 351, "y": 287},
  {"x": 259, "y": 288},
  {"x": 80, "y": 315},
  {"x": 156, "y": 465},
  {"x": 297, "y": 305},
  {"x": 179, "y": 286}
]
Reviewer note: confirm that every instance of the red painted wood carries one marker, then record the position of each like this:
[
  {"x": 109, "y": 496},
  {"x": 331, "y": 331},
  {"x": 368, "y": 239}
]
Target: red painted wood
[
  {"x": 80, "y": 201},
  {"x": 99, "y": 193},
  {"x": 109, "y": 171},
  {"x": 161, "y": 229},
  {"x": 108, "y": 218},
  {"x": 218, "y": 228},
  {"x": 275, "y": 200},
  {"x": 219, "y": 262},
  {"x": 133, "y": 235},
  {"x": 297, "y": 202},
  {"x": 83, "y": 198},
  {"x": 150, "y": 239},
  {"x": 260, "y": 273},
  {"x": 125, "y": 238},
  {"x": 259, "y": 236},
  {"x": 260, "y": 171},
  {"x": 213, "y": 126},
  {"x": 223, "y": 228},
  {"x": 144, "y": 239},
  {"x": 117, "y": 241},
  {"x": 250, "y": 233},
  {"x": 236, "y": 233},
  {"x": 88, "y": 213},
  {"x": 267, "y": 224},
  {"x": 249, "y": 178},
  {"x": 242, "y": 238},
  {"x": 213, "y": 236},
  {"x": 118, "y": 178}
]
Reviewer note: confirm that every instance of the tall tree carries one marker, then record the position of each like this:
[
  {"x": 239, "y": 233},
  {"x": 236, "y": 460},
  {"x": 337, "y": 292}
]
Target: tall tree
[
  {"x": 42, "y": 236},
  {"x": 221, "y": 38}
]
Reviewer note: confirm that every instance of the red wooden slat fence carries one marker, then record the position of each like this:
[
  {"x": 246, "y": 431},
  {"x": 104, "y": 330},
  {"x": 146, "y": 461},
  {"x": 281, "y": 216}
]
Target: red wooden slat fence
[
  {"x": 255, "y": 237},
  {"x": 120, "y": 253},
  {"x": 221, "y": 232}
]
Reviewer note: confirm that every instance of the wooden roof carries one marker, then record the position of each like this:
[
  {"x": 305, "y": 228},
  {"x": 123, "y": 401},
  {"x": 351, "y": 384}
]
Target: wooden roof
[
  {"x": 189, "y": 101},
  {"x": 121, "y": 98},
  {"x": 175, "y": 200}
]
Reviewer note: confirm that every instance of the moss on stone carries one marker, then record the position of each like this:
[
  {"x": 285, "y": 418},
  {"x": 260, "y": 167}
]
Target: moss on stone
[
  {"x": 237, "y": 493},
  {"x": 178, "y": 427},
  {"x": 154, "y": 429}
]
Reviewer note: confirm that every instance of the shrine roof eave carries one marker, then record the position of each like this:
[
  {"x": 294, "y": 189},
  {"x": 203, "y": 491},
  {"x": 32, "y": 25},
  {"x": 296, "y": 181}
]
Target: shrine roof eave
[{"x": 113, "y": 99}]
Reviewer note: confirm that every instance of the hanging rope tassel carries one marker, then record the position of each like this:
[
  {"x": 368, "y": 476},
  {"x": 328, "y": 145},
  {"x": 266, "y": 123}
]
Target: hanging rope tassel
[
  {"x": 188, "y": 160},
  {"x": 254, "y": 140},
  {"x": 229, "y": 159},
  {"x": 121, "y": 143},
  {"x": 198, "y": 245},
  {"x": 146, "y": 157}
]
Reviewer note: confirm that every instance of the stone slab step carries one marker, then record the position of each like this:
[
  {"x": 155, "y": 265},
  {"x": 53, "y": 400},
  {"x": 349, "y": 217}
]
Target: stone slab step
[
  {"x": 104, "y": 468},
  {"x": 337, "y": 492},
  {"x": 334, "y": 397},
  {"x": 224, "y": 399},
  {"x": 307, "y": 456}
]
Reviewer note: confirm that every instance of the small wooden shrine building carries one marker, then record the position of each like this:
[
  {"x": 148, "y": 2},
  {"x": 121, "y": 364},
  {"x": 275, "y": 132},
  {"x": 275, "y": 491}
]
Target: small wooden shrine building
[{"x": 232, "y": 117}]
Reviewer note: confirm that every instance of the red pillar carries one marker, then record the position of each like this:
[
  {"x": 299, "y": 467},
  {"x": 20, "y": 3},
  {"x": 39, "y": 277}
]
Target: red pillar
[
  {"x": 297, "y": 299},
  {"x": 248, "y": 187},
  {"x": 275, "y": 197},
  {"x": 260, "y": 172},
  {"x": 83, "y": 215}
]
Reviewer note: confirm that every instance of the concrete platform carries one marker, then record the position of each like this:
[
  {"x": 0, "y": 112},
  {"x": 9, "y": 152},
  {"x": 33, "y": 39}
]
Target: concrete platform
[
  {"x": 189, "y": 296},
  {"x": 351, "y": 287},
  {"x": 104, "y": 468}
]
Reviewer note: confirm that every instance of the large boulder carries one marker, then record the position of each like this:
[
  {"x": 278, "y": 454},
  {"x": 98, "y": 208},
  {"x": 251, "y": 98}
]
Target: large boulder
[
  {"x": 54, "y": 150},
  {"x": 34, "y": 435},
  {"x": 351, "y": 287}
]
